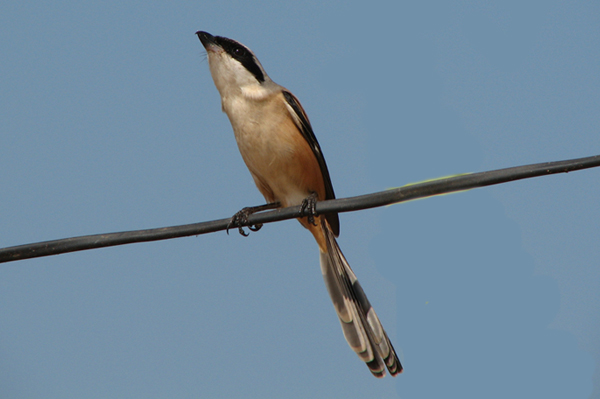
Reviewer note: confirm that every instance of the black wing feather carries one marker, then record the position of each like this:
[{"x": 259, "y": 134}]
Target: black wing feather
[{"x": 308, "y": 134}]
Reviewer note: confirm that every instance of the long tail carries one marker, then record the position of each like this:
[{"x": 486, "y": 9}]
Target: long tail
[{"x": 360, "y": 324}]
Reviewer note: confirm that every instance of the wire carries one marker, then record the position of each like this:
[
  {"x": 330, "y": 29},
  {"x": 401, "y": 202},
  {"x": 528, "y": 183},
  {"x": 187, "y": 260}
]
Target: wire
[{"x": 392, "y": 196}]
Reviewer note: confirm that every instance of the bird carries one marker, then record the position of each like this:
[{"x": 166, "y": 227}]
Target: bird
[{"x": 279, "y": 147}]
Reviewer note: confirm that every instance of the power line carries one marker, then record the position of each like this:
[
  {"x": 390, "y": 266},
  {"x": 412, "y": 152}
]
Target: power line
[{"x": 397, "y": 195}]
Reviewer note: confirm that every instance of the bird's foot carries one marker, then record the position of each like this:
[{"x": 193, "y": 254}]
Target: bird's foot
[
  {"x": 240, "y": 219},
  {"x": 310, "y": 203}
]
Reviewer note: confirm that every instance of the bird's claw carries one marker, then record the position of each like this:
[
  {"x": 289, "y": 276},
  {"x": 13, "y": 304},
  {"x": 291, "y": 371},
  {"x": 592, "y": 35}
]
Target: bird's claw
[
  {"x": 240, "y": 219},
  {"x": 310, "y": 203}
]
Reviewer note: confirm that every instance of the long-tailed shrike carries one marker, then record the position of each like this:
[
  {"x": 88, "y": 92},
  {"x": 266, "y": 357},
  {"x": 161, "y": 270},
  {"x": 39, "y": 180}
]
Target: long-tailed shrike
[{"x": 279, "y": 147}]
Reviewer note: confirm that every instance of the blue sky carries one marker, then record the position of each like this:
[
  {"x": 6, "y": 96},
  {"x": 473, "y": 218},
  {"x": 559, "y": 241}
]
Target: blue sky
[{"x": 110, "y": 122}]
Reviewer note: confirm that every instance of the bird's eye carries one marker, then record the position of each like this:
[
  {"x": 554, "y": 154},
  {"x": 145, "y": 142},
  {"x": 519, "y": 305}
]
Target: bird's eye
[{"x": 239, "y": 51}]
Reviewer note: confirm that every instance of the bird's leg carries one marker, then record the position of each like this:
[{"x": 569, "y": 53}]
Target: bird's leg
[
  {"x": 240, "y": 219},
  {"x": 310, "y": 203}
]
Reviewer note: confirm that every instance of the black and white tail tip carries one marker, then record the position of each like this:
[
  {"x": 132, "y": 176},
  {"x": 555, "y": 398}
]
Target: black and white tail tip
[{"x": 360, "y": 323}]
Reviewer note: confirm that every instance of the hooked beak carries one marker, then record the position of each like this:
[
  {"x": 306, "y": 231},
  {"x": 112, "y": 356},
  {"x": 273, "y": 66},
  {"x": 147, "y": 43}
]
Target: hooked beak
[{"x": 208, "y": 40}]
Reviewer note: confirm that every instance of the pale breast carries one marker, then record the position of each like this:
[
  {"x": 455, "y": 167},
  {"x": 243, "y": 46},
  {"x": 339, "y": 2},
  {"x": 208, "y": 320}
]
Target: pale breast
[{"x": 274, "y": 150}]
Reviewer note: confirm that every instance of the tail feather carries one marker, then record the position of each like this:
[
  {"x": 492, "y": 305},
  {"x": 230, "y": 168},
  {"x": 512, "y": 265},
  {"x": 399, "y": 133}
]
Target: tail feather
[{"x": 360, "y": 324}]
